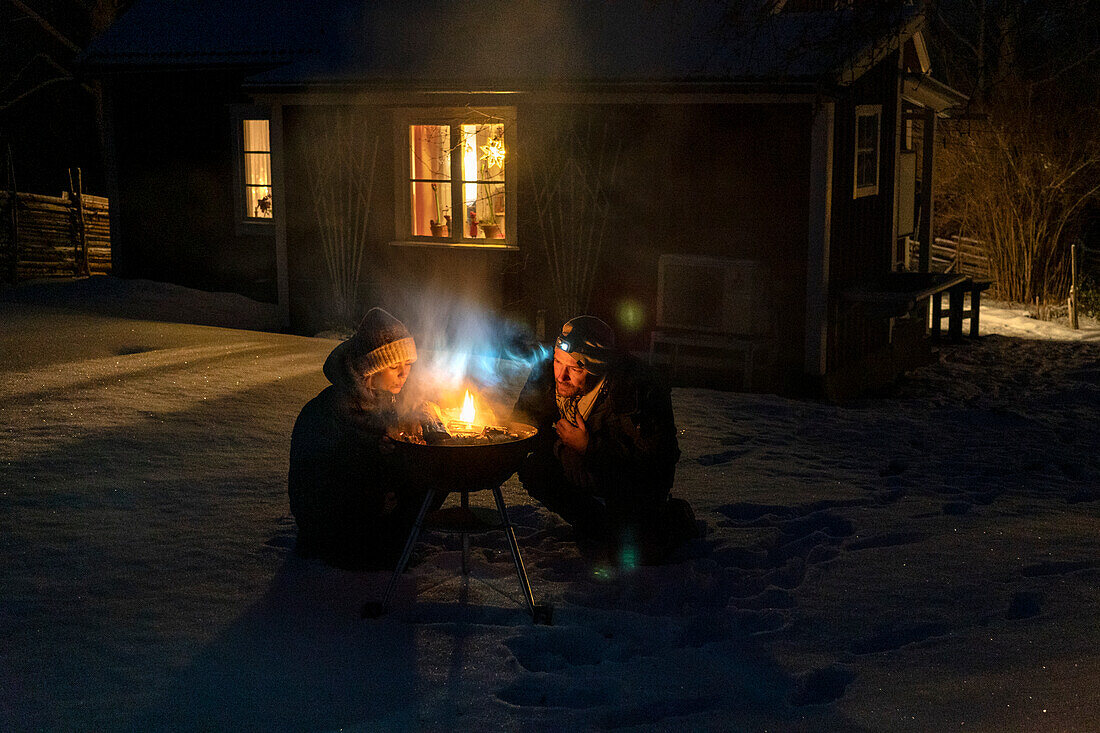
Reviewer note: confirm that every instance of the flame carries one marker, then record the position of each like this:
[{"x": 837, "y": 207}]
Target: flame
[{"x": 468, "y": 414}]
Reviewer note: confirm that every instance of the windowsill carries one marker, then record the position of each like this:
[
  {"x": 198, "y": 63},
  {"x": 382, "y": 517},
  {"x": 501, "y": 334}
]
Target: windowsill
[
  {"x": 426, "y": 244},
  {"x": 255, "y": 227}
]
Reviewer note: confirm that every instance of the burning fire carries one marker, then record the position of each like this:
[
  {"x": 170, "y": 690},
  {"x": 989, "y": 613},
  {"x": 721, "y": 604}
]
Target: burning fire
[
  {"x": 463, "y": 421},
  {"x": 468, "y": 413},
  {"x": 470, "y": 424}
]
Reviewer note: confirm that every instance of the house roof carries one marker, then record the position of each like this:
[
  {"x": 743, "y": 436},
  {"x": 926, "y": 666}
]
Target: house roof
[
  {"x": 922, "y": 89},
  {"x": 505, "y": 44},
  {"x": 173, "y": 33}
]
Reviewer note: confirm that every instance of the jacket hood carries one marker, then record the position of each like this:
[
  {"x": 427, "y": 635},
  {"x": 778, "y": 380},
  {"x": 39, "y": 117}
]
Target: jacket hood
[{"x": 336, "y": 368}]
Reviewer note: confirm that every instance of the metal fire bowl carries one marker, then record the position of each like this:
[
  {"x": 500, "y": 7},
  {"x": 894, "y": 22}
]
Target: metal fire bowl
[{"x": 468, "y": 467}]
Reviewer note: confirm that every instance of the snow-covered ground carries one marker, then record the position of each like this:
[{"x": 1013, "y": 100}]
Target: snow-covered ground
[{"x": 923, "y": 561}]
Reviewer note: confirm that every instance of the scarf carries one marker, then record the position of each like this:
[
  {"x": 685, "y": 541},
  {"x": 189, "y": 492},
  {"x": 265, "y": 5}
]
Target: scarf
[{"x": 570, "y": 407}]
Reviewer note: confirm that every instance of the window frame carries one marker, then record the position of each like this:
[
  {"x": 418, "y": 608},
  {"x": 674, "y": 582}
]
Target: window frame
[
  {"x": 243, "y": 223},
  {"x": 863, "y": 111},
  {"x": 454, "y": 117}
]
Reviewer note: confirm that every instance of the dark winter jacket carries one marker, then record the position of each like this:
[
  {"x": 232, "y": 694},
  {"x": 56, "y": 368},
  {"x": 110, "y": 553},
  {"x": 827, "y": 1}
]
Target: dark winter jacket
[
  {"x": 632, "y": 446},
  {"x": 340, "y": 471}
]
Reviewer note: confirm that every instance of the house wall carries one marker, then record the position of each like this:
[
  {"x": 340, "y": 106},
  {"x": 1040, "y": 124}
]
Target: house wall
[
  {"x": 708, "y": 179},
  {"x": 172, "y": 214},
  {"x": 721, "y": 180},
  {"x": 416, "y": 283},
  {"x": 861, "y": 238}
]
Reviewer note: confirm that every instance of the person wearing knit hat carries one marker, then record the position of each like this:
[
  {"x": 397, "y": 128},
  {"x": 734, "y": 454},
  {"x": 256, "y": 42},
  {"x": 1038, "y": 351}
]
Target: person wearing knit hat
[
  {"x": 380, "y": 353},
  {"x": 351, "y": 496},
  {"x": 606, "y": 452}
]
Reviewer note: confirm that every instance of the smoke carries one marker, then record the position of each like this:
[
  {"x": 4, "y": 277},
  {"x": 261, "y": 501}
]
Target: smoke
[{"x": 463, "y": 345}]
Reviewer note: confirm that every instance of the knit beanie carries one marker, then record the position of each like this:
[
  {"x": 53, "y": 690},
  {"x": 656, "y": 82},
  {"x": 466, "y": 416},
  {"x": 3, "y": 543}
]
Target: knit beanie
[
  {"x": 590, "y": 341},
  {"x": 380, "y": 341}
]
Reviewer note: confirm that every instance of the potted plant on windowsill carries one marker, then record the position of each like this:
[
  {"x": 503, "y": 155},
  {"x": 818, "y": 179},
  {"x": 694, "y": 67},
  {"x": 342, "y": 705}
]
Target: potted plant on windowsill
[
  {"x": 441, "y": 229},
  {"x": 441, "y": 225},
  {"x": 491, "y": 225},
  {"x": 491, "y": 229},
  {"x": 494, "y": 156}
]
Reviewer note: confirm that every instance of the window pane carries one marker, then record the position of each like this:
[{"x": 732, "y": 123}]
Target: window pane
[
  {"x": 483, "y": 161},
  {"x": 865, "y": 169},
  {"x": 485, "y": 213},
  {"x": 430, "y": 152},
  {"x": 867, "y": 132},
  {"x": 256, "y": 135},
  {"x": 257, "y": 169},
  {"x": 258, "y": 201},
  {"x": 483, "y": 152},
  {"x": 431, "y": 203}
]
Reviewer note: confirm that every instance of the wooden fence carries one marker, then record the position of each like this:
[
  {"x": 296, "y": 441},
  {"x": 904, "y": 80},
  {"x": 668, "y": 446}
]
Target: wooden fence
[
  {"x": 47, "y": 236},
  {"x": 957, "y": 254},
  {"x": 965, "y": 256}
]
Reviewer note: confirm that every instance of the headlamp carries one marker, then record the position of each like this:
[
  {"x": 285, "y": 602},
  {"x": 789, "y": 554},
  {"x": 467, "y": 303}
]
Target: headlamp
[{"x": 563, "y": 344}]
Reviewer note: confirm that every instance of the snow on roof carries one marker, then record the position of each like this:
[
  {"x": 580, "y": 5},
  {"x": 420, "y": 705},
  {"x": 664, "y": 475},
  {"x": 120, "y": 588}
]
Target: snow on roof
[{"x": 504, "y": 42}]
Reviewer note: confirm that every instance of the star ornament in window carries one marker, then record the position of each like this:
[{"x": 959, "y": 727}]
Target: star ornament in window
[{"x": 493, "y": 152}]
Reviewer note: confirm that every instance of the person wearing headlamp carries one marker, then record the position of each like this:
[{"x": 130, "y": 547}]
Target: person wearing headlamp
[{"x": 606, "y": 454}]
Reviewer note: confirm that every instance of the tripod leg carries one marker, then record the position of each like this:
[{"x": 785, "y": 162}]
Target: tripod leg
[
  {"x": 374, "y": 609},
  {"x": 465, "y": 503},
  {"x": 540, "y": 612}
]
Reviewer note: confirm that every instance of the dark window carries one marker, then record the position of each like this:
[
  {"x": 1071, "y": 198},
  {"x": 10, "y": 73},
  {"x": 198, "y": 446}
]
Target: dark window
[{"x": 868, "y": 118}]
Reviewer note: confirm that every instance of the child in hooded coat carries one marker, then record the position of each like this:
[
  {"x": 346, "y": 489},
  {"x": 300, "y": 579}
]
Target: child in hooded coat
[{"x": 351, "y": 494}]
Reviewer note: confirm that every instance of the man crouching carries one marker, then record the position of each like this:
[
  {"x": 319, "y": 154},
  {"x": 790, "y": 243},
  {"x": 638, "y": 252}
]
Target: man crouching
[{"x": 606, "y": 453}]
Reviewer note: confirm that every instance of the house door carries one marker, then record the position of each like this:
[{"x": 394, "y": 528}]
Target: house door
[{"x": 906, "y": 209}]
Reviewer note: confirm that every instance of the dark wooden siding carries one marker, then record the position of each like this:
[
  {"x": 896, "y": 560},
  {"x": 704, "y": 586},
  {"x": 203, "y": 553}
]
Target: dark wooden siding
[
  {"x": 861, "y": 228},
  {"x": 412, "y": 282},
  {"x": 173, "y": 137},
  {"x": 716, "y": 180}
]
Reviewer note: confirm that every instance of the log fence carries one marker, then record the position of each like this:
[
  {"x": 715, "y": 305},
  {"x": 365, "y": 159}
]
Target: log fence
[
  {"x": 53, "y": 236},
  {"x": 960, "y": 255}
]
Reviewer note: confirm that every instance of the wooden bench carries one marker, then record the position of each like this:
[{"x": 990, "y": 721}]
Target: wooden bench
[
  {"x": 688, "y": 348},
  {"x": 956, "y": 310},
  {"x": 897, "y": 293},
  {"x": 710, "y": 315}
]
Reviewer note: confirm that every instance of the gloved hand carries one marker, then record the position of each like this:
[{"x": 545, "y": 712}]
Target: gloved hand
[{"x": 431, "y": 421}]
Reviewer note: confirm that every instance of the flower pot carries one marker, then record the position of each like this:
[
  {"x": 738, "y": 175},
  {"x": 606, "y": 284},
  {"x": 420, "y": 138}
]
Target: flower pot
[
  {"x": 438, "y": 230},
  {"x": 492, "y": 231}
]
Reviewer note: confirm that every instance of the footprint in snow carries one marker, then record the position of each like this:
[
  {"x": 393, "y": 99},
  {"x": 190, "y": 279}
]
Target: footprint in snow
[
  {"x": 556, "y": 692},
  {"x": 821, "y": 686},
  {"x": 895, "y": 636}
]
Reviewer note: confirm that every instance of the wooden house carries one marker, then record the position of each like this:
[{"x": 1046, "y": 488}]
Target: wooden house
[{"x": 715, "y": 180}]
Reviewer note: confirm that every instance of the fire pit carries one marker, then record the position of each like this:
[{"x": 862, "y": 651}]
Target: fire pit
[
  {"x": 462, "y": 456},
  {"x": 473, "y": 461}
]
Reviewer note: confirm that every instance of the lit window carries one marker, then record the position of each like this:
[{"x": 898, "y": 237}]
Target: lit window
[
  {"x": 256, "y": 150},
  {"x": 868, "y": 118},
  {"x": 430, "y": 193},
  {"x": 457, "y": 191}
]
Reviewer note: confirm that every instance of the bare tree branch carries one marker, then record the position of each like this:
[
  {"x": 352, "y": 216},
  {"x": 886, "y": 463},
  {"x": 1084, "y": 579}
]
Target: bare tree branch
[{"x": 45, "y": 25}]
